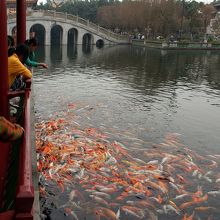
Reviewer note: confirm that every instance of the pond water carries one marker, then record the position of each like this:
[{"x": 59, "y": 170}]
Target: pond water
[{"x": 147, "y": 102}]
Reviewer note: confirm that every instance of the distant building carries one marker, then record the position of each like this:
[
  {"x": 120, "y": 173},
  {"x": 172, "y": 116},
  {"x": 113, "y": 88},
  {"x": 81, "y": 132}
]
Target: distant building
[
  {"x": 58, "y": 3},
  {"x": 11, "y": 5}
]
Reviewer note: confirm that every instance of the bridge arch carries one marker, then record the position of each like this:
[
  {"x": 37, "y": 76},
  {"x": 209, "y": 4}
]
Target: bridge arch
[
  {"x": 99, "y": 43},
  {"x": 38, "y": 31},
  {"x": 72, "y": 37},
  {"x": 56, "y": 34},
  {"x": 87, "y": 39}
]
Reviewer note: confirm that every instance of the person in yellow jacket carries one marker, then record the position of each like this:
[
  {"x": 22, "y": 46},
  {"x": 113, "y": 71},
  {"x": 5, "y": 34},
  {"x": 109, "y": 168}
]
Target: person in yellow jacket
[
  {"x": 9, "y": 131},
  {"x": 17, "y": 72}
]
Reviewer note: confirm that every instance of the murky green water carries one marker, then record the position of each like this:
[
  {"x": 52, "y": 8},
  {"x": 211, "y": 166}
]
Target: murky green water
[{"x": 143, "y": 93}]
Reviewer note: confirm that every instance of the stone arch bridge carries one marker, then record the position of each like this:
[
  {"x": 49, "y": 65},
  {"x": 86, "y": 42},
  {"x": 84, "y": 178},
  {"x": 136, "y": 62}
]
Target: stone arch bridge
[{"x": 52, "y": 27}]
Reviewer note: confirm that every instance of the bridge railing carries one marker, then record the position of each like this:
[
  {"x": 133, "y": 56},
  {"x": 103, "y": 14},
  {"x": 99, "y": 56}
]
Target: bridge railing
[
  {"x": 60, "y": 15},
  {"x": 72, "y": 17},
  {"x": 94, "y": 26},
  {"x": 82, "y": 21},
  {"x": 77, "y": 19}
]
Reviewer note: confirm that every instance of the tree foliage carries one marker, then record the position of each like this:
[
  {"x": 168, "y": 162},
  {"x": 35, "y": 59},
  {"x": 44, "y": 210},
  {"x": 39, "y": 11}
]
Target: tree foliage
[{"x": 159, "y": 17}]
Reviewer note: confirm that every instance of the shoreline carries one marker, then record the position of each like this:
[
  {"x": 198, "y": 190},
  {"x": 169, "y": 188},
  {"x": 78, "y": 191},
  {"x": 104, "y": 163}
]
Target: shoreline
[{"x": 175, "y": 45}]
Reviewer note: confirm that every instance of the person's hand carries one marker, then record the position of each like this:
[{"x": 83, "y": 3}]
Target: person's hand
[{"x": 44, "y": 65}]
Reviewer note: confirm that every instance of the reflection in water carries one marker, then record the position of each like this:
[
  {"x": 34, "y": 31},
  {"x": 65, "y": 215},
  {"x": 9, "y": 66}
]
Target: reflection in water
[
  {"x": 138, "y": 96},
  {"x": 86, "y": 48},
  {"x": 56, "y": 54},
  {"x": 72, "y": 52},
  {"x": 41, "y": 53}
]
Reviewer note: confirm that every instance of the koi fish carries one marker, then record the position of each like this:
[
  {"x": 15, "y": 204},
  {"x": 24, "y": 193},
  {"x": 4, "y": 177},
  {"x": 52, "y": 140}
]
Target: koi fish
[
  {"x": 181, "y": 196},
  {"x": 106, "y": 189},
  {"x": 185, "y": 217},
  {"x": 214, "y": 193},
  {"x": 96, "y": 193},
  {"x": 108, "y": 213},
  {"x": 133, "y": 211},
  {"x": 195, "y": 200},
  {"x": 204, "y": 208},
  {"x": 168, "y": 208},
  {"x": 99, "y": 200},
  {"x": 217, "y": 180}
]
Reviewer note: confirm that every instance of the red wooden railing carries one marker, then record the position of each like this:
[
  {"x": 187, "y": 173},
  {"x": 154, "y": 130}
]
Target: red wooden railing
[{"x": 25, "y": 190}]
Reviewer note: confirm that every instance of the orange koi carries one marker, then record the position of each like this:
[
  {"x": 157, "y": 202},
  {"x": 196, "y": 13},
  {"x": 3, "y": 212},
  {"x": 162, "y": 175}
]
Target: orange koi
[
  {"x": 163, "y": 186},
  {"x": 160, "y": 199},
  {"x": 198, "y": 193},
  {"x": 105, "y": 212},
  {"x": 204, "y": 208},
  {"x": 156, "y": 186},
  {"x": 181, "y": 178},
  {"x": 47, "y": 150},
  {"x": 99, "y": 200},
  {"x": 146, "y": 203},
  {"x": 185, "y": 217},
  {"x": 122, "y": 196},
  {"x": 195, "y": 200},
  {"x": 186, "y": 205},
  {"x": 138, "y": 185},
  {"x": 60, "y": 184},
  {"x": 120, "y": 149},
  {"x": 137, "y": 212},
  {"x": 174, "y": 205},
  {"x": 200, "y": 199},
  {"x": 148, "y": 192}
]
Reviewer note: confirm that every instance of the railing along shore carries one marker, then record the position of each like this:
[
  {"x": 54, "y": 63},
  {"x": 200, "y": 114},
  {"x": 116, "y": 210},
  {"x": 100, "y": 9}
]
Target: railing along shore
[{"x": 176, "y": 45}]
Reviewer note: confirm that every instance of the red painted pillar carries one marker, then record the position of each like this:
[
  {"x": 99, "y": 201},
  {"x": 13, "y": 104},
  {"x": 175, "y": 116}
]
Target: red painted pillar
[
  {"x": 21, "y": 21},
  {"x": 4, "y": 60},
  {"x": 4, "y": 148}
]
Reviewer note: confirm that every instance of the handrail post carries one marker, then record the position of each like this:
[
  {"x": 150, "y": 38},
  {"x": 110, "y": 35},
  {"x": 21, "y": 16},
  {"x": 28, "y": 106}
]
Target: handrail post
[{"x": 77, "y": 18}]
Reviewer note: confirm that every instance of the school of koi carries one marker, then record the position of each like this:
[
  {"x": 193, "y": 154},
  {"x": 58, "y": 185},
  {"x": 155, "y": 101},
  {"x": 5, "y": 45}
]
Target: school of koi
[{"x": 104, "y": 181}]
